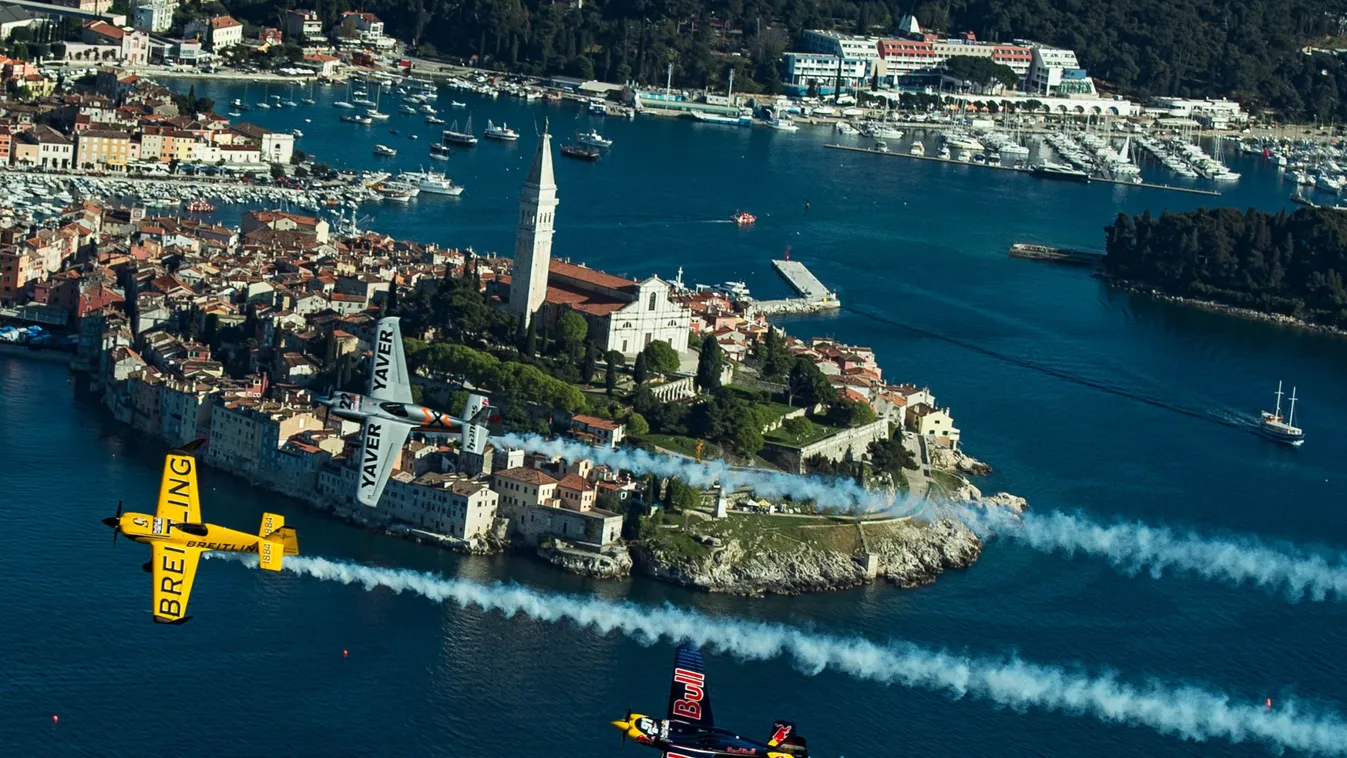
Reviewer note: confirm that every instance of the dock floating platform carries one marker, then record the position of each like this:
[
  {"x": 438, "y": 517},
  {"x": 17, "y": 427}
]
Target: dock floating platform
[
  {"x": 1099, "y": 179},
  {"x": 814, "y": 297}
]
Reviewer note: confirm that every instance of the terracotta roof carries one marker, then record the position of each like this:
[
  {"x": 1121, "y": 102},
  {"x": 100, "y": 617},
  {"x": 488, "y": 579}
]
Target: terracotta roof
[
  {"x": 526, "y": 476},
  {"x": 575, "y": 482},
  {"x": 594, "y": 422},
  {"x": 589, "y": 275},
  {"x": 224, "y": 22}
]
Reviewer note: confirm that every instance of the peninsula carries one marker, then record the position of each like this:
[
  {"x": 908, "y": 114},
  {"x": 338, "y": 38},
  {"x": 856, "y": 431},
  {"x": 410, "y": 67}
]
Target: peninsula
[{"x": 194, "y": 330}]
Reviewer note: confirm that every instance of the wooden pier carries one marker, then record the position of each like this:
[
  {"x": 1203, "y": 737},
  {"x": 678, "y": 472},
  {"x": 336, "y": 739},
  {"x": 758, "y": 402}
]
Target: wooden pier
[{"x": 998, "y": 167}]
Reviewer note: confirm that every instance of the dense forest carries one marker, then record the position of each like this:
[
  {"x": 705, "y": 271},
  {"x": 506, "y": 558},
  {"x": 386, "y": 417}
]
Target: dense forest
[
  {"x": 1276, "y": 263},
  {"x": 1248, "y": 49}
]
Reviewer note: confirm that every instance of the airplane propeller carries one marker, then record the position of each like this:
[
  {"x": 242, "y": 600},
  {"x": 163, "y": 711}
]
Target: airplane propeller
[
  {"x": 624, "y": 731},
  {"x": 115, "y": 522}
]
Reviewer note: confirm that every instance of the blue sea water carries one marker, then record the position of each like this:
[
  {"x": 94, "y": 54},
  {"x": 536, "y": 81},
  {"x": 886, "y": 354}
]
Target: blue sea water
[{"x": 1083, "y": 397}]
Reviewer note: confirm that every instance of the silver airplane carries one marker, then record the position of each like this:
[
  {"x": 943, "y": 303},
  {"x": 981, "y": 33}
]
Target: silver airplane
[{"x": 387, "y": 414}]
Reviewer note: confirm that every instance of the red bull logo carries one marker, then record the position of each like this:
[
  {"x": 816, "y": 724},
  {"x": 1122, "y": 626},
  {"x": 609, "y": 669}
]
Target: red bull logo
[
  {"x": 781, "y": 733},
  {"x": 694, "y": 689}
]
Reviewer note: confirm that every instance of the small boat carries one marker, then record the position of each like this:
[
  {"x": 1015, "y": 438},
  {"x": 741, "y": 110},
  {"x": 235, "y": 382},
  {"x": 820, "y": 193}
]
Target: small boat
[
  {"x": 364, "y": 101},
  {"x": 393, "y": 132},
  {"x": 457, "y": 104},
  {"x": 744, "y": 218},
  {"x": 784, "y": 124},
  {"x": 918, "y": 148},
  {"x": 199, "y": 206},
  {"x": 297, "y": 133},
  {"x": 1273, "y": 426},
  {"x": 235, "y": 114},
  {"x": 264, "y": 106},
  {"x": 440, "y": 152},
  {"x": 413, "y": 136},
  {"x": 407, "y": 109},
  {"x": 453, "y": 136},
  {"x": 503, "y": 132},
  {"x": 436, "y": 183},
  {"x": 384, "y": 151},
  {"x": 343, "y": 104},
  {"x": 580, "y": 152},
  {"x": 428, "y": 109},
  {"x": 356, "y": 118},
  {"x": 434, "y": 120},
  {"x": 881, "y": 146},
  {"x": 593, "y": 139}
]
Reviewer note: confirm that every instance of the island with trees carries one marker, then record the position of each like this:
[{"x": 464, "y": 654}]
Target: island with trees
[{"x": 1285, "y": 266}]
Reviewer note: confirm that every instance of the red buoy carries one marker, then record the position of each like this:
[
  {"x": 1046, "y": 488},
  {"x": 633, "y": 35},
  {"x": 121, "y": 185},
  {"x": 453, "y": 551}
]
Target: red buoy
[
  {"x": 343, "y": 653},
  {"x": 1269, "y": 704},
  {"x": 55, "y": 718}
]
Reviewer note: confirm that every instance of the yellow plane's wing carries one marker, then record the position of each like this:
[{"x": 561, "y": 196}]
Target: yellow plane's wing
[
  {"x": 179, "y": 499},
  {"x": 174, "y": 569}
]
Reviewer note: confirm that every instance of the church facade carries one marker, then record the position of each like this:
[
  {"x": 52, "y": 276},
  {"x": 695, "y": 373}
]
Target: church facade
[{"x": 625, "y": 314}]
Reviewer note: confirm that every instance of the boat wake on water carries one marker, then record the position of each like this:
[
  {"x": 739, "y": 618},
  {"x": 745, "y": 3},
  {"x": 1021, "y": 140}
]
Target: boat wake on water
[
  {"x": 1185, "y": 711},
  {"x": 1223, "y": 418}
]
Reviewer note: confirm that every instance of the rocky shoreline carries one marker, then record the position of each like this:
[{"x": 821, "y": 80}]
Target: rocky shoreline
[
  {"x": 912, "y": 554},
  {"x": 1278, "y": 319}
]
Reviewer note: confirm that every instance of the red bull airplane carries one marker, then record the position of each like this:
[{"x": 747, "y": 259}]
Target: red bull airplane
[
  {"x": 387, "y": 414},
  {"x": 690, "y": 730}
]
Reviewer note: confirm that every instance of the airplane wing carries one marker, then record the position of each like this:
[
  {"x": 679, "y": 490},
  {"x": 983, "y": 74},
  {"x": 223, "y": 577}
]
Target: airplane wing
[
  {"x": 380, "y": 445},
  {"x": 179, "y": 499},
  {"x": 174, "y": 569},
  {"x": 689, "y": 700},
  {"x": 388, "y": 379}
]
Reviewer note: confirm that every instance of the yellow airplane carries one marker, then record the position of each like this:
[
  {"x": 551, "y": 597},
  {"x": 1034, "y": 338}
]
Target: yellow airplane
[{"x": 177, "y": 537}]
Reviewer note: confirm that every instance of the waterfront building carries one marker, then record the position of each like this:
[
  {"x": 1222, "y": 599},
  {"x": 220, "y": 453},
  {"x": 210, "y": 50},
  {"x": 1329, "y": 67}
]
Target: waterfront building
[
  {"x": 1055, "y": 71},
  {"x": 287, "y": 222},
  {"x": 447, "y": 504},
  {"x": 219, "y": 32},
  {"x": 575, "y": 493},
  {"x": 935, "y": 424},
  {"x": 276, "y": 147},
  {"x": 185, "y": 410},
  {"x": 54, "y": 150},
  {"x": 323, "y": 64},
  {"x": 244, "y": 431},
  {"x": 133, "y": 47},
  {"x": 18, "y": 269},
  {"x": 855, "y": 47},
  {"x": 800, "y": 70},
  {"x": 1213, "y": 114},
  {"x": 102, "y": 150},
  {"x": 153, "y": 16},
  {"x": 520, "y": 488},
  {"x": 303, "y": 25},
  {"x": 533, "y": 235}
]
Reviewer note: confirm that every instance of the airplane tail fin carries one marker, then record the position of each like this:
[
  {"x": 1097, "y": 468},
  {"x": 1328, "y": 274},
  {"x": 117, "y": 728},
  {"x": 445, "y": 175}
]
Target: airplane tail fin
[
  {"x": 277, "y": 540},
  {"x": 476, "y": 414},
  {"x": 786, "y": 741}
]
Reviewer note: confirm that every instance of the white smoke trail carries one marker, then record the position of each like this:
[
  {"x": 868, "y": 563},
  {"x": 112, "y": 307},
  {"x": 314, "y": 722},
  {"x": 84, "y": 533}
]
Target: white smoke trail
[
  {"x": 1130, "y": 547},
  {"x": 842, "y": 493},
  {"x": 1187, "y": 712},
  {"x": 1134, "y": 547}
]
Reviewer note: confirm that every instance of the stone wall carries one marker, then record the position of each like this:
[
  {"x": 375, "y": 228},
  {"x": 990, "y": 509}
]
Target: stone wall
[{"x": 835, "y": 448}]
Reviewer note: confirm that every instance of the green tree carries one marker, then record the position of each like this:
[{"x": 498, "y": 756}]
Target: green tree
[
  {"x": 660, "y": 357},
  {"x": 798, "y": 429},
  {"x": 710, "y": 364},
  {"x": 591, "y": 364},
  {"x": 807, "y": 384},
  {"x": 641, "y": 371},
  {"x": 637, "y": 425},
  {"x": 573, "y": 328},
  {"x": 849, "y": 413}
]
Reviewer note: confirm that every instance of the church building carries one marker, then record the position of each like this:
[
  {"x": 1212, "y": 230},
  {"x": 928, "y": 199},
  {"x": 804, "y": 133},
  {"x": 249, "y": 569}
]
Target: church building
[{"x": 627, "y": 314}]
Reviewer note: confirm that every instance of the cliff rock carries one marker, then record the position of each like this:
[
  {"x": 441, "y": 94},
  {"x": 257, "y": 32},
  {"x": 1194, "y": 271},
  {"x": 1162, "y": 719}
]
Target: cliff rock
[{"x": 612, "y": 562}]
